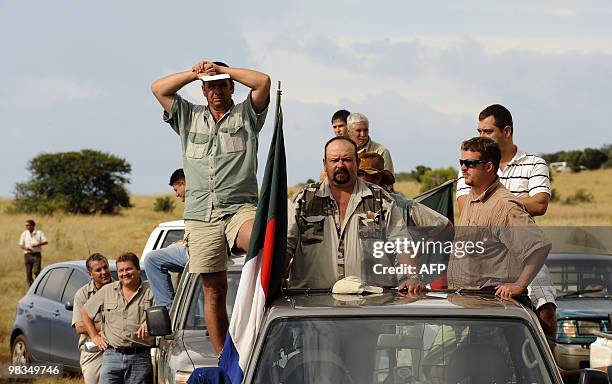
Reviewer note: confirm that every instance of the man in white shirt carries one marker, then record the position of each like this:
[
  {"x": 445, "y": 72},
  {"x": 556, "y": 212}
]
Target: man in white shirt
[{"x": 31, "y": 241}]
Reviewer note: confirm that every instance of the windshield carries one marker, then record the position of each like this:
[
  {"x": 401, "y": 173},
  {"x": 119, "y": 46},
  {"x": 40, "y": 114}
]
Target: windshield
[
  {"x": 586, "y": 277},
  {"x": 387, "y": 350}
]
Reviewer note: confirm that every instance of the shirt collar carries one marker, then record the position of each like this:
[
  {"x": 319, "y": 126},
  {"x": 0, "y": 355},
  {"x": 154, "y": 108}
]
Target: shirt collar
[
  {"x": 517, "y": 156},
  {"x": 207, "y": 111},
  {"x": 360, "y": 189},
  {"x": 486, "y": 194}
]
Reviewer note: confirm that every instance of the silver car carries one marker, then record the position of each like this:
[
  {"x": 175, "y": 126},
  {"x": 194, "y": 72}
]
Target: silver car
[
  {"x": 187, "y": 344},
  {"x": 391, "y": 339}
]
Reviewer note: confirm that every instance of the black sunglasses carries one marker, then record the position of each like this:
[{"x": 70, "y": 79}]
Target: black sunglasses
[{"x": 472, "y": 163}]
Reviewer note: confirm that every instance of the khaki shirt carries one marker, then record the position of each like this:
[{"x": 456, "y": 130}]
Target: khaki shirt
[
  {"x": 80, "y": 298},
  {"x": 373, "y": 146},
  {"x": 508, "y": 235},
  {"x": 120, "y": 318},
  {"x": 325, "y": 250},
  {"x": 219, "y": 158}
]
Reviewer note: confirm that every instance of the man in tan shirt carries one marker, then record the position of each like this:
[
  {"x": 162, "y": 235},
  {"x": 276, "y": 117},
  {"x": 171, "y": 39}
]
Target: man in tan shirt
[
  {"x": 513, "y": 248},
  {"x": 359, "y": 130},
  {"x": 124, "y": 337},
  {"x": 97, "y": 267}
]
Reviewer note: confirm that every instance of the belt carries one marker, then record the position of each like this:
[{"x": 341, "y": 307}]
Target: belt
[{"x": 130, "y": 350}]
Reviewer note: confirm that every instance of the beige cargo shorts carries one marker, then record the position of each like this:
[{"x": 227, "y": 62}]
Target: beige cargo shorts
[{"x": 208, "y": 243}]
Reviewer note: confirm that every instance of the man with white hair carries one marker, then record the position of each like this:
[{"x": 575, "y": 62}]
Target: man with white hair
[{"x": 359, "y": 130}]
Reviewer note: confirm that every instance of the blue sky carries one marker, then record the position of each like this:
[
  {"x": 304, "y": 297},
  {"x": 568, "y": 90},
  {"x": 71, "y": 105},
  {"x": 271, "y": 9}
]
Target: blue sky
[{"x": 76, "y": 75}]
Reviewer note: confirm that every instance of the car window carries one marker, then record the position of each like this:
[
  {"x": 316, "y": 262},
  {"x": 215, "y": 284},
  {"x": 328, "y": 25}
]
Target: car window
[
  {"x": 571, "y": 275},
  {"x": 195, "y": 315},
  {"x": 172, "y": 236},
  {"x": 383, "y": 350},
  {"x": 77, "y": 280},
  {"x": 56, "y": 283},
  {"x": 41, "y": 284}
]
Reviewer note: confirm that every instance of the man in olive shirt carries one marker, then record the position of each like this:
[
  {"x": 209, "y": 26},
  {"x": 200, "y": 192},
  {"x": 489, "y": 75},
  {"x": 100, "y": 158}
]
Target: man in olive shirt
[
  {"x": 97, "y": 267},
  {"x": 513, "y": 247},
  {"x": 124, "y": 337},
  {"x": 219, "y": 143}
]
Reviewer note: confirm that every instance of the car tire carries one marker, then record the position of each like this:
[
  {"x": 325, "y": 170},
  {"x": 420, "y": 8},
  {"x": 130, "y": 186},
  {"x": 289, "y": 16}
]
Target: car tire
[{"x": 20, "y": 353}]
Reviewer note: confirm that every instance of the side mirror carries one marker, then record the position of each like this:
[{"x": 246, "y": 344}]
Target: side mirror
[
  {"x": 593, "y": 376},
  {"x": 158, "y": 321},
  {"x": 69, "y": 306}
]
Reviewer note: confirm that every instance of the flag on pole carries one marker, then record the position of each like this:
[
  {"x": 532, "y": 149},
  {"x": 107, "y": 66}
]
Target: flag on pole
[{"x": 260, "y": 281}]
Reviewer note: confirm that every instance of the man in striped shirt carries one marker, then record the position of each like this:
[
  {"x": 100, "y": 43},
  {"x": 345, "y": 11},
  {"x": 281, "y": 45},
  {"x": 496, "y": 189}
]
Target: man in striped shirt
[{"x": 527, "y": 177}]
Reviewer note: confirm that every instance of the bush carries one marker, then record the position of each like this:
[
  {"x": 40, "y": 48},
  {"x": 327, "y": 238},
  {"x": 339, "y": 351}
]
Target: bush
[
  {"x": 84, "y": 182},
  {"x": 581, "y": 196},
  {"x": 164, "y": 204},
  {"x": 434, "y": 177}
]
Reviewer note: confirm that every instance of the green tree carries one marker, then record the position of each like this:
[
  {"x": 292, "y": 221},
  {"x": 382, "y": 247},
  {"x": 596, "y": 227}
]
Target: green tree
[
  {"x": 84, "y": 182},
  {"x": 434, "y": 177},
  {"x": 593, "y": 158}
]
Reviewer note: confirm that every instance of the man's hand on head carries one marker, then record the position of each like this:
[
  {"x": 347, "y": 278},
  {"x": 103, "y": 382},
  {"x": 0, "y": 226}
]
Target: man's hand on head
[{"x": 207, "y": 68}]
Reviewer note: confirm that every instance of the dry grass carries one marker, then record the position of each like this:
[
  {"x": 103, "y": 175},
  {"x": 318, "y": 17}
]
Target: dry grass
[
  {"x": 74, "y": 237},
  {"x": 70, "y": 238}
]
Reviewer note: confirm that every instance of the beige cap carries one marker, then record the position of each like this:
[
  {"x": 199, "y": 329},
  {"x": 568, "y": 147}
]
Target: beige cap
[{"x": 351, "y": 285}]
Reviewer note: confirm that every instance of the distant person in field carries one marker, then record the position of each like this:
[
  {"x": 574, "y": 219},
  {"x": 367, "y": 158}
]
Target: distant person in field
[
  {"x": 219, "y": 144},
  {"x": 359, "y": 130},
  {"x": 31, "y": 241},
  {"x": 99, "y": 271},
  {"x": 338, "y": 121},
  {"x": 527, "y": 177},
  {"x": 159, "y": 263}
]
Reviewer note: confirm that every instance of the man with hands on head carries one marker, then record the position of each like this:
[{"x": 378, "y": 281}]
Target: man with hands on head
[
  {"x": 124, "y": 337},
  {"x": 99, "y": 271},
  {"x": 219, "y": 145}
]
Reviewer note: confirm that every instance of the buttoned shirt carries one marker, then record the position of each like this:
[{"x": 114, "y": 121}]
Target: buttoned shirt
[
  {"x": 121, "y": 318},
  {"x": 508, "y": 234},
  {"x": 80, "y": 298},
  {"x": 372, "y": 146},
  {"x": 219, "y": 158},
  {"x": 524, "y": 175},
  {"x": 325, "y": 250},
  {"x": 36, "y": 237}
]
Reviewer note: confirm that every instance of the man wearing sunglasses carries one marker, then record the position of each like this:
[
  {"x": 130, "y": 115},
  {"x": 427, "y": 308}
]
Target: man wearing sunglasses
[
  {"x": 514, "y": 248},
  {"x": 527, "y": 177}
]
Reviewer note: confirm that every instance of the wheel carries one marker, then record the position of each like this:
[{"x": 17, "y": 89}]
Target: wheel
[{"x": 19, "y": 351}]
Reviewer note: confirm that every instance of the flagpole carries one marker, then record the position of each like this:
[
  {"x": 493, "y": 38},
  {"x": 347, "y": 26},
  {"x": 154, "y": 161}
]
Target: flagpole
[{"x": 279, "y": 92}]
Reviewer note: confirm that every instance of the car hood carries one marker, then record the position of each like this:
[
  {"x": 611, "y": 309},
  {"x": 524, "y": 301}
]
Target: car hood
[
  {"x": 199, "y": 348},
  {"x": 576, "y": 308}
]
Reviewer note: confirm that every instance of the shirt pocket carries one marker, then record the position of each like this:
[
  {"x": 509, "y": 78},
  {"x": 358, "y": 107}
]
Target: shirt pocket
[
  {"x": 232, "y": 139},
  {"x": 196, "y": 145},
  {"x": 313, "y": 230}
]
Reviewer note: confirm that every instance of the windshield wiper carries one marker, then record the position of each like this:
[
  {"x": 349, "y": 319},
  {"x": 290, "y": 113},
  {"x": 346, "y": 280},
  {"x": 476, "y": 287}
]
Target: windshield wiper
[{"x": 581, "y": 292}]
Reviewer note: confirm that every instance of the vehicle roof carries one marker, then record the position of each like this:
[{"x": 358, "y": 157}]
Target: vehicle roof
[
  {"x": 175, "y": 223},
  {"x": 579, "y": 256},
  {"x": 391, "y": 303},
  {"x": 80, "y": 264}
]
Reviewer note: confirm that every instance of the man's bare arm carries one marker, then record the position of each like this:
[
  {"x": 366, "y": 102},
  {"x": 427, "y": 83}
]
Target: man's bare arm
[
  {"x": 165, "y": 88},
  {"x": 537, "y": 204},
  {"x": 92, "y": 332},
  {"x": 80, "y": 328}
]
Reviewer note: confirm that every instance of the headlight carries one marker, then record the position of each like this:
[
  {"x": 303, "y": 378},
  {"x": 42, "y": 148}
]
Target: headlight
[
  {"x": 181, "y": 377},
  {"x": 568, "y": 328}
]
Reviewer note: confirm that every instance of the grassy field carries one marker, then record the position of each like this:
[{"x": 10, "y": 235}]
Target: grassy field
[{"x": 74, "y": 237}]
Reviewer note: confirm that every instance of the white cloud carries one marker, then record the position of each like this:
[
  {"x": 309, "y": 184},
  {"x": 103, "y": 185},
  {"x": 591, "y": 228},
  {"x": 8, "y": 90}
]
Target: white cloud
[{"x": 49, "y": 91}]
